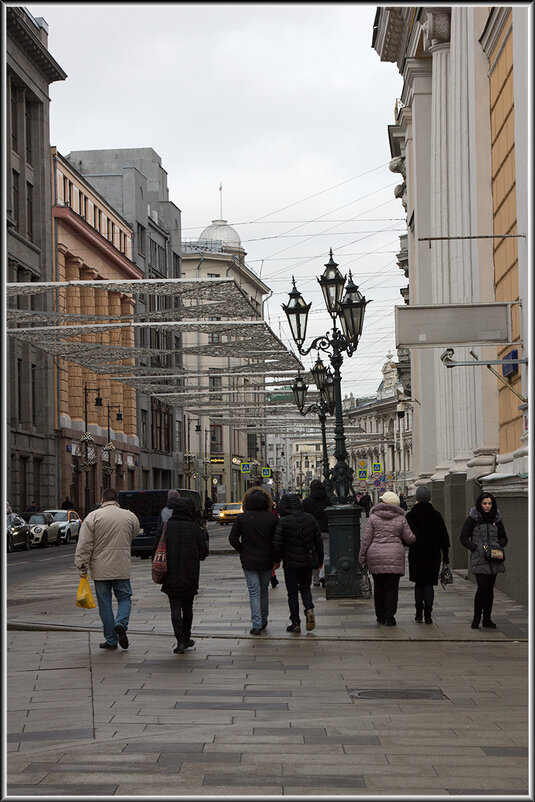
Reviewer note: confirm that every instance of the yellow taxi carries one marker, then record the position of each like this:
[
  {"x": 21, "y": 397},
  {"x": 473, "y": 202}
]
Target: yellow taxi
[{"x": 229, "y": 512}]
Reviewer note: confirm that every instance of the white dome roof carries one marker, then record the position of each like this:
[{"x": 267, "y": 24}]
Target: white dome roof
[{"x": 221, "y": 231}]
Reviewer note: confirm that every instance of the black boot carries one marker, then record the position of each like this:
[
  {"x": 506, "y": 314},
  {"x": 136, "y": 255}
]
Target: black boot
[
  {"x": 419, "y": 617},
  {"x": 274, "y": 581},
  {"x": 475, "y": 621},
  {"x": 427, "y": 615}
]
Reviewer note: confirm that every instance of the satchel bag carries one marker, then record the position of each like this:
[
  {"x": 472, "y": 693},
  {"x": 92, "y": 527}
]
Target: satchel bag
[
  {"x": 493, "y": 553},
  {"x": 159, "y": 562},
  {"x": 446, "y": 577}
]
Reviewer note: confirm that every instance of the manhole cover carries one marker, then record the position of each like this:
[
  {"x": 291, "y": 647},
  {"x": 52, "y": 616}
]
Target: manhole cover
[{"x": 397, "y": 693}]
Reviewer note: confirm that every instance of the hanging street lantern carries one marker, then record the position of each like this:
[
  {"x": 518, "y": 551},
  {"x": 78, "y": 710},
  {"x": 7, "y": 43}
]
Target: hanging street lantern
[
  {"x": 332, "y": 285},
  {"x": 297, "y": 313}
]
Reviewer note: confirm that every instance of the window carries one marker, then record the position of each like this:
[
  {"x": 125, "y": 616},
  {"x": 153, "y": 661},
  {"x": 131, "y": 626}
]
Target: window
[
  {"x": 162, "y": 436},
  {"x": 14, "y": 121},
  {"x": 19, "y": 389},
  {"x": 214, "y": 336},
  {"x": 176, "y": 265},
  {"x": 212, "y": 275},
  {"x": 140, "y": 239},
  {"x": 110, "y": 231},
  {"x": 214, "y": 383},
  {"x": 15, "y": 191},
  {"x": 29, "y": 211},
  {"x": 67, "y": 191},
  {"x": 28, "y": 133},
  {"x": 33, "y": 381},
  {"x": 216, "y": 440},
  {"x": 144, "y": 416},
  {"x": 82, "y": 201}
]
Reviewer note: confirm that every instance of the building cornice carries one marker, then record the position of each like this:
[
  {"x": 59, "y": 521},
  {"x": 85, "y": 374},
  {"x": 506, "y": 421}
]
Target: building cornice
[
  {"x": 18, "y": 28},
  {"x": 87, "y": 232},
  {"x": 494, "y": 29}
]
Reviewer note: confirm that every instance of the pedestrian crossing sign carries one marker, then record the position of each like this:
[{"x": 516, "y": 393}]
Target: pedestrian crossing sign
[
  {"x": 362, "y": 473},
  {"x": 245, "y": 467},
  {"x": 266, "y": 471},
  {"x": 377, "y": 467}
]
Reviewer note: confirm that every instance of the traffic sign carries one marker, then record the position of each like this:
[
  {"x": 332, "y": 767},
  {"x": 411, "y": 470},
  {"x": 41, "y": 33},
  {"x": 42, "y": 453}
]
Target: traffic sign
[
  {"x": 363, "y": 483},
  {"x": 377, "y": 467},
  {"x": 245, "y": 467},
  {"x": 266, "y": 471},
  {"x": 377, "y": 482},
  {"x": 362, "y": 463},
  {"x": 362, "y": 474}
]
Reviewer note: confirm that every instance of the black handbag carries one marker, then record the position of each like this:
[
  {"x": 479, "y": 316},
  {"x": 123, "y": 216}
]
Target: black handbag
[
  {"x": 446, "y": 577},
  {"x": 493, "y": 553}
]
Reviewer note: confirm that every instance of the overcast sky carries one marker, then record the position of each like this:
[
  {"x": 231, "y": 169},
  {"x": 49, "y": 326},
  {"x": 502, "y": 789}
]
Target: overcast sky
[{"x": 287, "y": 105}]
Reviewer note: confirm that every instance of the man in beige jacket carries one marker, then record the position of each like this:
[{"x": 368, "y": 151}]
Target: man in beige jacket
[{"x": 104, "y": 549}]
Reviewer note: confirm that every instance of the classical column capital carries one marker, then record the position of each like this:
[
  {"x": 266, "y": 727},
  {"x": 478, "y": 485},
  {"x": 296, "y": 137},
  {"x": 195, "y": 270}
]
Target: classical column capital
[
  {"x": 62, "y": 248},
  {"x": 437, "y": 27}
]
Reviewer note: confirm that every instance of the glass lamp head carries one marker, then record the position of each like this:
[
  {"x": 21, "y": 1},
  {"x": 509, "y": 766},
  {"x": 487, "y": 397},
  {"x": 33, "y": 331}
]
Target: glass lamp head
[
  {"x": 352, "y": 308},
  {"x": 319, "y": 372},
  {"x": 297, "y": 313},
  {"x": 332, "y": 285},
  {"x": 299, "y": 390}
]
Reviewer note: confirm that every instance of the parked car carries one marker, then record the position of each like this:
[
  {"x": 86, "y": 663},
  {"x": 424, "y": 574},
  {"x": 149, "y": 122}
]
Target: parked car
[
  {"x": 147, "y": 505},
  {"x": 229, "y": 512},
  {"x": 216, "y": 509},
  {"x": 44, "y": 530},
  {"x": 17, "y": 532},
  {"x": 69, "y": 523}
]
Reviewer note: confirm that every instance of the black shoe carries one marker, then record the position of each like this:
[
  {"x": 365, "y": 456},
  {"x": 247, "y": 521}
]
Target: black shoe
[
  {"x": 189, "y": 643},
  {"x": 274, "y": 581},
  {"x": 322, "y": 583},
  {"x": 255, "y": 631},
  {"x": 293, "y": 628},
  {"x": 180, "y": 648},
  {"x": 264, "y": 625},
  {"x": 107, "y": 645},
  {"x": 419, "y": 617},
  {"x": 381, "y": 621},
  {"x": 390, "y": 622},
  {"x": 427, "y": 618},
  {"x": 488, "y": 624},
  {"x": 475, "y": 622},
  {"x": 121, "y": 634},
  {"x": 311, "y": 620}
]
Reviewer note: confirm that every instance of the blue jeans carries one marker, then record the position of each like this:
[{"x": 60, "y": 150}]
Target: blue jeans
[
  {"x": 257, "y": 584},
  {"x": 123, "y": 593}
]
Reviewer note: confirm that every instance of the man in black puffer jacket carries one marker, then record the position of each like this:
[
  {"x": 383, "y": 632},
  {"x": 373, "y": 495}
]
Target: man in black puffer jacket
[
  {"x": 316, "y": 504},
  {"x": 295, "y": 535},
  {"x": 252, "y": 536},
  {"x": 187, "y": 545}
]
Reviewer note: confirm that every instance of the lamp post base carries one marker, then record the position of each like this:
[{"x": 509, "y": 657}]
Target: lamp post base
[{"x": 343, "y": 579}]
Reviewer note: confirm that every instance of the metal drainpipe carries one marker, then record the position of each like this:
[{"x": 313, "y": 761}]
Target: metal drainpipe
[
  {"x": 56, "y": 359},
  {"x": 199, "y": 371}
]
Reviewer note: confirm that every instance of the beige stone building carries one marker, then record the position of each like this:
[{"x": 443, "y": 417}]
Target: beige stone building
[
  {"x": 92, "y": 242},
  {"x": 218, "y": 253}
]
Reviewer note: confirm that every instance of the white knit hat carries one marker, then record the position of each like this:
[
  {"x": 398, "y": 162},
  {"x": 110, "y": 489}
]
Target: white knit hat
[{"x": 389, "y": 498}]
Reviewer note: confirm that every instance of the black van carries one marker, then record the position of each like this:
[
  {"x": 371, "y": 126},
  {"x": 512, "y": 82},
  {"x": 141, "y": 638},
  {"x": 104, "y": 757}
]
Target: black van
[{"x": 147, "y": 505}]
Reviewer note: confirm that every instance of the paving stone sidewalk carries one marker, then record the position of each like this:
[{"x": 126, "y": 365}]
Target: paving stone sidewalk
[{"x": 349, "y": 709}]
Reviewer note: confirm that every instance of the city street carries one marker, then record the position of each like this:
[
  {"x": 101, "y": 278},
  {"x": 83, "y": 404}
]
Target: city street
[{"x": 347, "y": 709}]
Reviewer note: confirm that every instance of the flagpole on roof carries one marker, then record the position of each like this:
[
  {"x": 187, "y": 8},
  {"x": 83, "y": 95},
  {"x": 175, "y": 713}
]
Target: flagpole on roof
[{"x": 220, "y": 200}]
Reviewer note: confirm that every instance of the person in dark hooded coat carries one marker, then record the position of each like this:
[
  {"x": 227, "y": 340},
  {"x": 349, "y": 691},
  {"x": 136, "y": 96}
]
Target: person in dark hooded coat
[
  {"x": 187, "y": 546},
  {"x": 315, "y": 504},
  {"x": 484, "y": 530},
  {"x": 432, "y": 541},
  {"x": 295, "y": 534},
  {"x": 252, "y": 536}
]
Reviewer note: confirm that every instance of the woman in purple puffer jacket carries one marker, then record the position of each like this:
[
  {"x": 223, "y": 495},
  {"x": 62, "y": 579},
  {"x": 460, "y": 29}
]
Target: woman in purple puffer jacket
[{"x": 383, "y": 550}]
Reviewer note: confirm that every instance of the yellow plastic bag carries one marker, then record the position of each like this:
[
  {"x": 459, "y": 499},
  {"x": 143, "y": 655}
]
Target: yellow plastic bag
[{"x": 84, "y": 597}]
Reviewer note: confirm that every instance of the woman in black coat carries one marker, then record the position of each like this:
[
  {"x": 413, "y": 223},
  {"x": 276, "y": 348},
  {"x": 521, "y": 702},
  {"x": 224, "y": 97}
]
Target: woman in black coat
[
  {"x": 432, "y": 540},
  {"x": 482, "y": 531},
  {"x": 316, "y": 504},
  {"x": 187, "y": 546},
  {"x": 252, "y": 536}
]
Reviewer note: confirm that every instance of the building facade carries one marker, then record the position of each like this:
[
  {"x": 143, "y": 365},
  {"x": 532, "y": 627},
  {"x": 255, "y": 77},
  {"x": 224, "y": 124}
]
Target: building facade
[
  {"x": 134, "y": 183},
  {"x": 460, "y": 143},
  {"x": 218, "y": 253},
  {"x": 92, "y": 242},
  {"x": 31, "y": 445}
]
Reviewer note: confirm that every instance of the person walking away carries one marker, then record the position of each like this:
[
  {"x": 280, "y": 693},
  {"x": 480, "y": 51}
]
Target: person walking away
[
  {"x": 383, "y": 550},
  {"x": 403, "y": 502},
  {"x": 482, "y": 531},
  {"x": 252, "y": 537},
  {"x": 33, "y": 507},
  {"x": 296, "y": 533},
  {"x": 315, "y": 504},
  {"x": 67, "y": 504},
  {"x": 432, "y": 542},
  {"x": 274, "y": 580},
  {"x": 103, "y": 549},
  {"x": 366, "y": 502},
  {"x": 187, "y": 547}
]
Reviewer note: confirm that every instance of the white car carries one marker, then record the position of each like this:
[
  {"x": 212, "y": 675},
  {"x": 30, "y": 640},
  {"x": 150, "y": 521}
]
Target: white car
[
  {"x": 44, "y": 530},
  {"x": 69, "y": 523}
]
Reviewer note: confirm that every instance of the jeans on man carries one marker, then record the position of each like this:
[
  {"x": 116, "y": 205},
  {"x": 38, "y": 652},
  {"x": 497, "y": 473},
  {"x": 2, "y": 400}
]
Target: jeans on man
[
  {"x": 258, "y": 584},
  {"x": 123, "y": 593},
  {"x": 298, "y": 581}
]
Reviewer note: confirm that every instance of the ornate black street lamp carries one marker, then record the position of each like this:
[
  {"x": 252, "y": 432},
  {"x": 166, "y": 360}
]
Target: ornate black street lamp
[
  {"x": 108, "y": 452},
  {"x": 323, "y": 407},
  {"x": 344, "y": 579},
  {"x": 89, "y": 442}
]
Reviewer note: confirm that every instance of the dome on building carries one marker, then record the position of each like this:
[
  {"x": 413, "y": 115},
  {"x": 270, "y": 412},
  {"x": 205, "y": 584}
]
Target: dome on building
[{"x": 221, "y": 231}]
